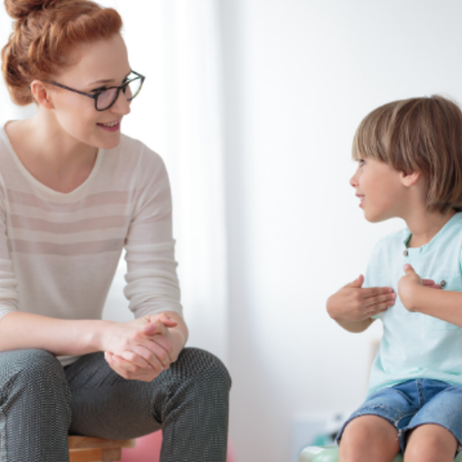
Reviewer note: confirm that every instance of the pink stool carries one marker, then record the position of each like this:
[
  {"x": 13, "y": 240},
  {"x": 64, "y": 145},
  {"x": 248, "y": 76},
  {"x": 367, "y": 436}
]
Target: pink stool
[{"x": 148, "y": 450}]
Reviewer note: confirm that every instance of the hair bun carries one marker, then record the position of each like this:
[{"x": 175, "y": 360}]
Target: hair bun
[{"x": 19, "y": 9}]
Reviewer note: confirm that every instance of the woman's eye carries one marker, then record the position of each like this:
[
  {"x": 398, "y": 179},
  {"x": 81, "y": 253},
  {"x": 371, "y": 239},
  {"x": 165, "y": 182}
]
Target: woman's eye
[{"x": 96, "y": 90}]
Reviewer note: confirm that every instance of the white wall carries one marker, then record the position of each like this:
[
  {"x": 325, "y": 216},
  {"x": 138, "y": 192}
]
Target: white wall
[{"x": 301, "y": 74}]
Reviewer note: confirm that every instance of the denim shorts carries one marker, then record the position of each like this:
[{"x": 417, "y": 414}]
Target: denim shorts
[{"x": 413, "y": 403}]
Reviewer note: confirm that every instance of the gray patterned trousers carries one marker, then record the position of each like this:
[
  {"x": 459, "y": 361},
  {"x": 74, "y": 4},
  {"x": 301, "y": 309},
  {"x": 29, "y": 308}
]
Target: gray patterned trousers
[{"x": 41, "y": 403}]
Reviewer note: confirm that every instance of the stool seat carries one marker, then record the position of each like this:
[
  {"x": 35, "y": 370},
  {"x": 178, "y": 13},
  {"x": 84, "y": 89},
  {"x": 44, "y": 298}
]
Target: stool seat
[
  {"x": 330, "y": 454},
  {"x": 89, "y": 449}
]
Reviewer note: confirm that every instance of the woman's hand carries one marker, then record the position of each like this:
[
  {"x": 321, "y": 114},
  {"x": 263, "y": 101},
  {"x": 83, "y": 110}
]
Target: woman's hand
[
  {"x": 141, "y": 349},
  {"x": 409, "y": 286},
  {"x": 353, "y": 303}
]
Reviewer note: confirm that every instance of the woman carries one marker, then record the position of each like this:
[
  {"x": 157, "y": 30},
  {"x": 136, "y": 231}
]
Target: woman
[{"x": 73, "y": 193}]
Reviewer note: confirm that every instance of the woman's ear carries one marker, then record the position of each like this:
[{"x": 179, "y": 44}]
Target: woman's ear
[
  {"x": 409, "y": 179},
  {"x": 42, "y": 94}
]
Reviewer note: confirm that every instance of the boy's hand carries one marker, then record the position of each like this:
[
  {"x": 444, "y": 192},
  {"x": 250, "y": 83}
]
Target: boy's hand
[
  {"x": 353, "y": 303},
  {"x": 410, "y": 284}
]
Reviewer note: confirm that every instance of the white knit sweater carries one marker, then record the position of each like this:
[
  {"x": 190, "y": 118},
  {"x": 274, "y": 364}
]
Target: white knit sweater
[{"x": 59, "y": 252}]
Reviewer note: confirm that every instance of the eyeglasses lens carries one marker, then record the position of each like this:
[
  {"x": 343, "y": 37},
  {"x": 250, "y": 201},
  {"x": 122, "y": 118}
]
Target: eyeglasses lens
[{"x": 107, "y": 98}]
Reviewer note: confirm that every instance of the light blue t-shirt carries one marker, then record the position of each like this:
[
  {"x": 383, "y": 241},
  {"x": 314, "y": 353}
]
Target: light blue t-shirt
[{"x": 416, "y": 345}]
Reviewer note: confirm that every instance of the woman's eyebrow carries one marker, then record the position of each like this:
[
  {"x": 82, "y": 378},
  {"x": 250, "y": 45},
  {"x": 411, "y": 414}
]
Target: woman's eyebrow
[{"x": 107, "y": 80}]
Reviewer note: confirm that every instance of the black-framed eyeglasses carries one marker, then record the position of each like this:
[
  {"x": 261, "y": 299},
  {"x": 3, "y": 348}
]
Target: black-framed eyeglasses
[{"x": 106, "y": 97}]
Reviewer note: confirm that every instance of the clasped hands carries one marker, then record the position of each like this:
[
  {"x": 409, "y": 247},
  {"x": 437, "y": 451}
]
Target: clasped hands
[
  {"x": 141, "y": 349},
  {"x": 353, "y": 303}
]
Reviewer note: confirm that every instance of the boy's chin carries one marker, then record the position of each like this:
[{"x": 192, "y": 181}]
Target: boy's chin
[{"x": 374, "y": 218}]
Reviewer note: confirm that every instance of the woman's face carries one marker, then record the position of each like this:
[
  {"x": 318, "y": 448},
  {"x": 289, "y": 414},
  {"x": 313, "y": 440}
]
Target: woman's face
[{"x": 97, "y": 65}]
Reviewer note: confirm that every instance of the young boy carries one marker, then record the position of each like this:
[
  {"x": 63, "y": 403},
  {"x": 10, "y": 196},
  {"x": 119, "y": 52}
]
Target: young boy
[{"x": 410, "y": 166}]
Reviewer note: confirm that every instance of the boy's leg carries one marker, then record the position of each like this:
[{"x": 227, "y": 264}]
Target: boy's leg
[
  {"x": 430, "y": 443},
  {"x": 435, "y": 432},
  {"x": 189, "y": 401},
  {"x": 34, "y": 407},
  {"x": 369, "y": 438}
]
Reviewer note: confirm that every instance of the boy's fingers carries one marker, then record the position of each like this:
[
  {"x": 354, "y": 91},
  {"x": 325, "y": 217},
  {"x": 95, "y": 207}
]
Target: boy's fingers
[
  {"x": 387, "y": 299},
  {"x": 430, "y": 283},
  {"x": 375, "y": 291},
  {"x": 408, "y": 269},
  {"x": 380, "y": 308},
  {"x": 357, "y": 283}
]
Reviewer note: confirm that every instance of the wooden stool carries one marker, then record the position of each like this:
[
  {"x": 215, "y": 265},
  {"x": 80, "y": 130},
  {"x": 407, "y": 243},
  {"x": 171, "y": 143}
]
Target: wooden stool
[{"x": 87, "y": 449}]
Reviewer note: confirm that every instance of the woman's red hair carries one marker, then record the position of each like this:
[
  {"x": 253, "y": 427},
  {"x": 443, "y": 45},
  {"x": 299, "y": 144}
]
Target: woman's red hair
[{"x": 43, "y": 35}]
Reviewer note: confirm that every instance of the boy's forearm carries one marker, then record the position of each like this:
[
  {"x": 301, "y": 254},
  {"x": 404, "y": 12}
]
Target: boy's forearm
[
  {"x": 60, "y": 337},
  {"x": 441, "y": 304}
]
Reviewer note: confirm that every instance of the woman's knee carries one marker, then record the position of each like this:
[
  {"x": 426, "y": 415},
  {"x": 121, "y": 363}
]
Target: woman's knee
[
  {"x": 203, "y": 366},
  {"x": 35, "y": 371}
]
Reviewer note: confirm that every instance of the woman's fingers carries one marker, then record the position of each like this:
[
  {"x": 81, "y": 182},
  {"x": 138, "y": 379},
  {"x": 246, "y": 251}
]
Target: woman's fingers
[
  {"x": 150, "y": 356},
  {"x": 159, "y": 325},
  {"x": 167, "y": 320},
  {"x": 155, "y": 328},
  {"x": 120, "y": 365},
  {"x": 128, "y": 370},
  {"x": 166, "y": 347},
  {"x": 153, "y": 355},
  {"x": 139, "y": 360}
]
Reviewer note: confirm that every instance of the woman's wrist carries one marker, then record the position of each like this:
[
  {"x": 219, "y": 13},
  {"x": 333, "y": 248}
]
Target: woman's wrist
[
  {"x": 178, "y": 340},
  {"x": 100, "y": 334}
]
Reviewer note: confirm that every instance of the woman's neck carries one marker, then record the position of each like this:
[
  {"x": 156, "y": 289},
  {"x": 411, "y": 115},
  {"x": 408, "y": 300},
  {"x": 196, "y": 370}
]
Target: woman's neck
[{"x": 52, "y": 156}]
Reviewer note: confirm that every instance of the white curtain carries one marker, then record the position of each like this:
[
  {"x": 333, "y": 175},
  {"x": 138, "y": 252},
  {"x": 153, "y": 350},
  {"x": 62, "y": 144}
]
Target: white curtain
[{"x": 176, "y": 45}]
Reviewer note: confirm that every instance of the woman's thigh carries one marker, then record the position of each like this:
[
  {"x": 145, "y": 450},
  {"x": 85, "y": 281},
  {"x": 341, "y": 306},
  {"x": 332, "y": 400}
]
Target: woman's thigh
[
  {"x": 106, "y": 405},
  {"x": 35, "y": 398}
]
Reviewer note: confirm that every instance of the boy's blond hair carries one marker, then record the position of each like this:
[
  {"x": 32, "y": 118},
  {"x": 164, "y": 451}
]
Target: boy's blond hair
[{"x": 418, "y": 134}]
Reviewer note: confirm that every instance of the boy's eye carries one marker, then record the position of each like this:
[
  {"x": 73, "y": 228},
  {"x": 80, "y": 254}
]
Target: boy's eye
[{"x": 361, "y": 162}]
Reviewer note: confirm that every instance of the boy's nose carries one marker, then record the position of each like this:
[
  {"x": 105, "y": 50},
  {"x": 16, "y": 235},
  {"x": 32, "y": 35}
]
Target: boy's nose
[{"x": 354, "y": 181}]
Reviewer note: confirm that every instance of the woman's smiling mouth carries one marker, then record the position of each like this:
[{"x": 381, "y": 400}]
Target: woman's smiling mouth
[{"x": 110, "y": 126}]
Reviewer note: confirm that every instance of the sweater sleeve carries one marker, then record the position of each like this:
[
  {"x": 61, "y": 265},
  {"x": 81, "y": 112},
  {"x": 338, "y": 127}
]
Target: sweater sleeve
[
  {"x": 152, "y": 284},
  {"x": 9, "y": 296}
]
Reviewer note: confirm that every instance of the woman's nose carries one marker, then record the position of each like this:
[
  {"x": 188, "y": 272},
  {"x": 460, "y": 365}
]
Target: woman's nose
[{"x": 121, "y": 106}]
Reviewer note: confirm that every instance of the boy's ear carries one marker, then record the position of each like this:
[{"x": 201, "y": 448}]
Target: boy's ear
[
  {"x": 41, "y": 94},
  {"x": 409, "y": 179}
]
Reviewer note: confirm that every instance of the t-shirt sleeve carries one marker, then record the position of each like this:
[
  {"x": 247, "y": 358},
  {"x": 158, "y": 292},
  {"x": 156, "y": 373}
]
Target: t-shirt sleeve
[
  {"x": 152, "y": 283},
  {"x": 9, "y": 296}
]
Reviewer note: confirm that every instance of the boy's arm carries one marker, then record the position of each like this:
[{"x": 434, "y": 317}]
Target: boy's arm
[
  {"x": 352, "y": 307},
  {"x": 419, "y": 297}
]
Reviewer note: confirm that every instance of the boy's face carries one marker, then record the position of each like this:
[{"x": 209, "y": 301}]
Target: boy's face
[{"x": 380, "y": 190}]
